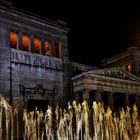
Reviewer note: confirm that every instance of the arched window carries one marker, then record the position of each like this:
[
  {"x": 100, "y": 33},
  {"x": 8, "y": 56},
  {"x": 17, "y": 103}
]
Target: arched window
[
  {"x": 47, "y": 48},
  {"x": 25, "y": 42},
  {"x": 37, "y": 45},
  {"x": 13, "y": 39},
  {"x": 58, "y": 49}
]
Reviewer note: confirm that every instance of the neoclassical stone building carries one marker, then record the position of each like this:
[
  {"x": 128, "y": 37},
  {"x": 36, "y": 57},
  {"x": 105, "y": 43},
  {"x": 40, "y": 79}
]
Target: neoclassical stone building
[
  {"x": 35, "y": 66},
  {"x": 116, "y": 83},
  {"x": 112, "y": 86},
  {"x": 33, "y": 56},
  {"x": 34, "y": 60}
]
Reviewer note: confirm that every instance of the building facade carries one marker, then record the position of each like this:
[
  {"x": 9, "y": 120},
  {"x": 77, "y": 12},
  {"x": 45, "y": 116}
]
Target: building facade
[
  {"x": 35, "y": 66},
  {"x": 116, "y": 83},
  {"x": 34, "y": 59},
  {"x": 33, "y": 55}
]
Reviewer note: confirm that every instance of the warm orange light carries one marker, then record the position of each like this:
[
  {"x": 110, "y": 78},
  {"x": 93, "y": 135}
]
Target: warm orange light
[
  {"x": 129, "y": 67},
  {"x": 13, "y": 39},
  {"x": 47, "y": 48},
  {"x": 37, "y": 45},
  {"x": 25, "y": 42}
]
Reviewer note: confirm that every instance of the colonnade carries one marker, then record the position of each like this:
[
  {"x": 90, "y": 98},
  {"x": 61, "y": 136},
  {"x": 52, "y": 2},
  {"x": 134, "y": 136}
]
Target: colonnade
[
  {"x": 25, "y": 42},
  {"x": 113, "y": 99}
]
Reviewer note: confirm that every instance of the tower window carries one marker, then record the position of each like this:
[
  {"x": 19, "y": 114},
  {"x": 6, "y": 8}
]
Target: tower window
[
  {"x": 47, "y": 49},
  {"x": 58, "y": 49},
  {"x": 37, "y": 45},
  {"x": 13, "y": 39},
  {"x": 25, "y": 42}
]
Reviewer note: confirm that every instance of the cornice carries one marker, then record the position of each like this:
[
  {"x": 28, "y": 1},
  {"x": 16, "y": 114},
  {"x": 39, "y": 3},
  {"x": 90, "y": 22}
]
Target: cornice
[{"x": 24, "y": 18}]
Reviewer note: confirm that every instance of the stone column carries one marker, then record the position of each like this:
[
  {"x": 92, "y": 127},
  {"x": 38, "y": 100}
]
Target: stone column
[
  {"x": 32, "y": 44},
  {"x": 136, "y": 99},
  {"x": 76, "y": 96},
  {"x": 98, "y": 96},
  {"x": 110, "y": 101},
  {"x": 19, "y": 43},
  {"x": 86, "y": 95},
  {"x": 126, "y": 100},
  {"x": 42, "y": 46},
  {"x": 53, "y": 48}
]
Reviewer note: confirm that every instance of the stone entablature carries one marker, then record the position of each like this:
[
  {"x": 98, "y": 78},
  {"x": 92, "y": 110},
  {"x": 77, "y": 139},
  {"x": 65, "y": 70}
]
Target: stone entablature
[
  {"x": 102, "y": 83},
  {"x": 33, "y": 59},
  {"x": 16, "y": 15},
  {"x": 123, "y": 56},
  {"x": 129, "y": 60},
  {"x": 82, "y": 67},
  {"x": 115, "y": 72}
]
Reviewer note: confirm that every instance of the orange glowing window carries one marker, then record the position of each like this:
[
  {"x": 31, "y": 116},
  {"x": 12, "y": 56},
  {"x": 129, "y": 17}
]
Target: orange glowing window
[
  {"x": 25, "y": 42},
  {"x": 129, "y": 67},
  {"x": 47, "y": 49},
  {"x": 37, "y": 45},
  {"x": 58, "y": 49},
  {"x": 13, "y": 39}
]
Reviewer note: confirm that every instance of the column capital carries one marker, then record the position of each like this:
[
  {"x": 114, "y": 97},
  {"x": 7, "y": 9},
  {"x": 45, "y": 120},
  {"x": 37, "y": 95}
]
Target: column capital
[{"x": 86, "y": 90}]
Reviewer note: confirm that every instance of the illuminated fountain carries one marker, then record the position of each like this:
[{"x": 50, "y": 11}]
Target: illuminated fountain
[{"x": 77, "y": 122}]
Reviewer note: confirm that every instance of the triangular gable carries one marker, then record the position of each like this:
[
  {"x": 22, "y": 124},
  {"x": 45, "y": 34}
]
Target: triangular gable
[{"x": 115, "y": 72}]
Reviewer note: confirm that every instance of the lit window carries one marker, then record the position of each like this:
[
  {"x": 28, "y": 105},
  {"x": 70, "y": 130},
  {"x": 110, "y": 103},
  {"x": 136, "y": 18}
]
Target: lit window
[
  {"x": 58, "y": 49},
  {"x": 47, "y": 49},
  {"x": 25, "y": 42},
  {"x": 37, "y": 45},
  {"x": 13, "y": 40},
  {"x": 129, "y": 67}
]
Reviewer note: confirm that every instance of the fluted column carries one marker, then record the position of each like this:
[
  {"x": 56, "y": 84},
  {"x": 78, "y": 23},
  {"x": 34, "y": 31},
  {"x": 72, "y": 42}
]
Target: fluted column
[
  {"x": 86, "y": 95},
  {"x": 98, "y": 96},
  {"x": 110, "y": 101},
  {"x": 53, "y": 48},
  {"x": 126, "y": 100},
  {"x": 19, "y": 46},
  {"x": 42, "y": 46},
  {"x": 32, "y": 44},
  {"x": 136, "y": 99}
]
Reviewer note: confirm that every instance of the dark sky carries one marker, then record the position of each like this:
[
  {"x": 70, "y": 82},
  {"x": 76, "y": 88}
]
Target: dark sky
[{"x": 97, "y": 30}]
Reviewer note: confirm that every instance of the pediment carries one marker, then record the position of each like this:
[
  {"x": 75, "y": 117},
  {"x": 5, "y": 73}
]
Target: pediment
[{"x": 115, "y": 72}]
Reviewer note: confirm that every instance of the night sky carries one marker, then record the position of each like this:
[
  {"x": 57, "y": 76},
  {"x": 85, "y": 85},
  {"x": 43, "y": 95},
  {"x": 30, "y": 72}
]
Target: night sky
[{"x": 97, "y": 30}]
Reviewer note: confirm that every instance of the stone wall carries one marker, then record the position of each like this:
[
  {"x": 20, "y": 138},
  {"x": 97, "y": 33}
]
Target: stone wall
[
  {"x": 4, "y": 72},
  {"x": 31, "y": 69}
]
